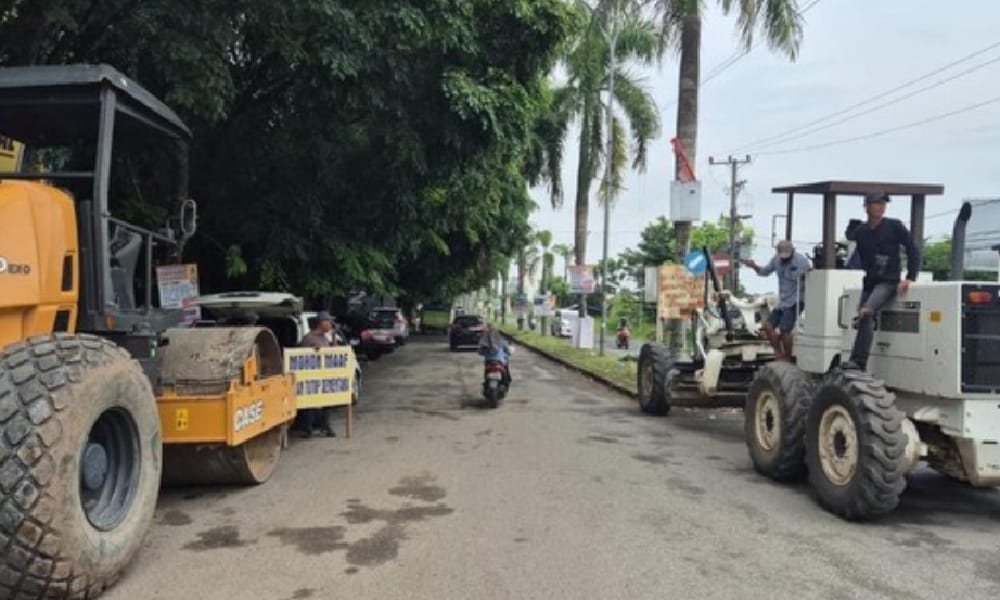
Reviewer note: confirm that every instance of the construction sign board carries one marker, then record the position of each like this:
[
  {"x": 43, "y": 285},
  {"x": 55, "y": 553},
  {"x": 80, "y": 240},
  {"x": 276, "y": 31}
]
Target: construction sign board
[
  {"x": 680, "y": 293},
  {"x": 323, "y": 376}
]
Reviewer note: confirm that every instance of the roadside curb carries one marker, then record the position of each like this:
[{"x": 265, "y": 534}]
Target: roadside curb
[{"x": 598, "y": 378}]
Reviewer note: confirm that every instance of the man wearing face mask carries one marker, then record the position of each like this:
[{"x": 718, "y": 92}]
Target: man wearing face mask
[
  {"x": 791, "y": 268},
  {"x": 879, "y": 242}
]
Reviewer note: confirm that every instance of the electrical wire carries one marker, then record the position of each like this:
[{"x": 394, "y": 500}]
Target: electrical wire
[
  {"x": 882, "y": 132},
  {"x": 871, "y": 99},
  {"x": 878, "y": 107},
  {"x": 721, "y": 67}
]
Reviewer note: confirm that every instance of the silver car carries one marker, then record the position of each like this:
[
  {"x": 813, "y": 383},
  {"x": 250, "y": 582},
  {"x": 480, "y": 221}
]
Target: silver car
[{"x": 392, "y": 319}]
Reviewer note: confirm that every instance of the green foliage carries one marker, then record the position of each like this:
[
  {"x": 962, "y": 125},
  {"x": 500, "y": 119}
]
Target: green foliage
[
  {"x": 609, "y": 368},
  {"x": 636, "y": 116},
  {"x": 658, "y": 244},
  {"x": 338, "y": 145},
  {"x": 560, "y": 288},
  {"x": 937, "y": 259}
]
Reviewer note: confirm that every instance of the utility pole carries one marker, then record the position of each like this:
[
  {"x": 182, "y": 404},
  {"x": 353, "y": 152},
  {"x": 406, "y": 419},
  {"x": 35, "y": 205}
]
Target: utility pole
[
  {"x": 608, "y": 160},
  {"x": 735, "y": 186}
]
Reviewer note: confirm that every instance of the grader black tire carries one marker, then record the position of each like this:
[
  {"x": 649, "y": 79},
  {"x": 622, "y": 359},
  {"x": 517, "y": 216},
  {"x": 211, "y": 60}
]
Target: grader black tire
[
  {"x": 775, "y": 420},
  {"x": 80, "y": 461},
  {"x": 655, "y": 370},
  {"x": 855, "y": 446}
]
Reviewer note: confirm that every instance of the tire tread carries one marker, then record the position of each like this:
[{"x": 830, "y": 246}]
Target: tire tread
[{"x": 33, "y": 376}]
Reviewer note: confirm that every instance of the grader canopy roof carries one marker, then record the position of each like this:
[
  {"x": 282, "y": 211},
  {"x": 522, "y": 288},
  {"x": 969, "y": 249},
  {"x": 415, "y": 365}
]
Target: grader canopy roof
[
  {"x": 917, "y": 192},
  {"x": 53, "y": 105}
]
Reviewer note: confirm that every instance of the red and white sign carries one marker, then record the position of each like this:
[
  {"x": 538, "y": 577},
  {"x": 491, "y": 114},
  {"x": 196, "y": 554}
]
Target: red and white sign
[{"x": 722, "y": 266}]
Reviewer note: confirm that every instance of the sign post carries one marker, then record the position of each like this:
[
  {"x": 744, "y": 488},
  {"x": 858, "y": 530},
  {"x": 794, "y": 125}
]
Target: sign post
[
  {"x": 178, "y": 288},
  {"x": 581, "y": 279},
  {"x": 680, "y": 292},
  {"x": 324, "y": 378}
]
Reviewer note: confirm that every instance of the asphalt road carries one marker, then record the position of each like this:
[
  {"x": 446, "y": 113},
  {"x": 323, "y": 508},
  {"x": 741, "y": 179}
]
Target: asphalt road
[{"x": 565, "y": 491}]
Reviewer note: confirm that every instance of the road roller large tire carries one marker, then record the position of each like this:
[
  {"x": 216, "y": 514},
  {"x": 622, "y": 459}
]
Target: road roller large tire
[
  {"x": 855, "y": 446},
  {"x": 80, "y": 459},
  {"x": 655, "y": 372},
  {"x": 775, "y": 420},
  {"x": 204, "y": 361}
]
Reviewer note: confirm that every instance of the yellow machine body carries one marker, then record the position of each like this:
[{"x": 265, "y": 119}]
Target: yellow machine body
[
  {"x": 228, "y": 404},
  {"x": 39, "y": 267}
]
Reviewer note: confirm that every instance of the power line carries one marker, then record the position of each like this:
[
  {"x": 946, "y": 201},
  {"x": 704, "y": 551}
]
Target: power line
[
  {"x": 975, "y": 202},
  {"x": 737, "y": 56},
  {"x": 871, "y": 99},
  {"x": 878, "y": 107},
  {"x": 719, "y": 68},
  {"x": 884, "y": 131}
]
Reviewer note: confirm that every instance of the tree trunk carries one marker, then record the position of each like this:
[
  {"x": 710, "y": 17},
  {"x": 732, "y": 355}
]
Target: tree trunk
[
  {"x": 503, "y": 294},
  {"x": 521, "y": 268},
  {"x": 584, "y": 175},
  {"x": 687, "y": 133}
]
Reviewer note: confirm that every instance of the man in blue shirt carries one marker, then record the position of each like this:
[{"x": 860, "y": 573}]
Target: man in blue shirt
[{"x": 791, "y": 268}]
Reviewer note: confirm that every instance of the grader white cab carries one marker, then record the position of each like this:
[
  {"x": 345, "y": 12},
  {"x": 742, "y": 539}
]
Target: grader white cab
[{"x": 931, "y": 393}]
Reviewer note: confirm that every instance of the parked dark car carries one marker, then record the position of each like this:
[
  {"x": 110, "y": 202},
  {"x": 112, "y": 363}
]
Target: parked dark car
[
  {"x": 465, "y": 331},
  {"x": 366, "y": 336}
]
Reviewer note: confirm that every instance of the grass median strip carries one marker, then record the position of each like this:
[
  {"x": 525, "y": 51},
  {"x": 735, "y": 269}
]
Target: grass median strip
[{"x": 612, "y": 369}]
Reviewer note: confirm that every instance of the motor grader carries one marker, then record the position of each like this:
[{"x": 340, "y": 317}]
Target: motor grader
[
  {"x": 103, "y": 393},
  {"x": 728, "y": 347},
  {"x": 931, "y": 392}
]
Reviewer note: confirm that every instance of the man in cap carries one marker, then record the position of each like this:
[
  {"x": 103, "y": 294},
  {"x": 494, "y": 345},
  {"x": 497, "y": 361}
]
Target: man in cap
[
  {"x": 879, "y": 242},
  {"x": 320, "y": 327},
  {"x": 316, "y": 418},
  {"x": 791, "y": 268}
]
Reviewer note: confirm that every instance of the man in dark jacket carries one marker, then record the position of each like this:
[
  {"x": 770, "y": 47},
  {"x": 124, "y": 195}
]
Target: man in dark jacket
[{"x": 879, "y": 242}]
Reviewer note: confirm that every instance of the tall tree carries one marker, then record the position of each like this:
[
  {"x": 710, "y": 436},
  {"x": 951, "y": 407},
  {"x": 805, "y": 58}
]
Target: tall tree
[
  {"x": 680, "y": 27},
  {"x": 376, "y": 146},
  {"x": 565, "y": 252},
  {"x": 548, "y": 260},
  {"x": 588, "y": 64}
]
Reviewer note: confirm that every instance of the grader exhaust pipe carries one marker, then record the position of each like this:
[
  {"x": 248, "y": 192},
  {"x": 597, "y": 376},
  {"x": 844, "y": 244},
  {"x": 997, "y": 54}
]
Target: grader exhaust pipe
[{"x": 958, "y": 242}]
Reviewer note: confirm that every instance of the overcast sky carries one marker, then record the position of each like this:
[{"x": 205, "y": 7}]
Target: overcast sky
[{"x": 852, "y": 50}]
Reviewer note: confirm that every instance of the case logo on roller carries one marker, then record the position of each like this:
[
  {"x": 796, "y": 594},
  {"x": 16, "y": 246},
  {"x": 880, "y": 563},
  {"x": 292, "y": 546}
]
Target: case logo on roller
[{"x": 245, "y": 417}]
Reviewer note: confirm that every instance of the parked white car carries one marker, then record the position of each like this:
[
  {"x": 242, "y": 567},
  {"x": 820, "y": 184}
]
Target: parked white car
[
  {"x": 562, "y": 322},
  {"x": 391, "y": 318}
]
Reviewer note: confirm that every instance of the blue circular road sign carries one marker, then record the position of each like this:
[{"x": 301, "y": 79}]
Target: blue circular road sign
[{"x": 695, "y": 262}]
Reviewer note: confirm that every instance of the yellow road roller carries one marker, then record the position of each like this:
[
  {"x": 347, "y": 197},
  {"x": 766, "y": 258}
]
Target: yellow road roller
[{"x": 105, "y": 394}]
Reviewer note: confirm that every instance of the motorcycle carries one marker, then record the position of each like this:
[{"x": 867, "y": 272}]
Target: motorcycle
[
  {"x": 495, "y": 382},
  {"x": 622, "y": 338}
]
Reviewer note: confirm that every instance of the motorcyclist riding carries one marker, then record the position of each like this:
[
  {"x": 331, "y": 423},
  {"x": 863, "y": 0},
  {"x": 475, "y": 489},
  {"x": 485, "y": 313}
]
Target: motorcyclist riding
[{"x": 492, "y": 346}]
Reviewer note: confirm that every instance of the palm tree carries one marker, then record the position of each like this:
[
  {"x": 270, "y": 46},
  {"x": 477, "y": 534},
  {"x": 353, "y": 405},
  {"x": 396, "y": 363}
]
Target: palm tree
[
  {"x": 545, "y": 240},
  {"x": 565, "y": 252},
  {"x": 680, "y": 26},
  {"x": 528, "y": 258},
  {"x": 588, "y": 66},
  {"x": 780, "y": 22}
]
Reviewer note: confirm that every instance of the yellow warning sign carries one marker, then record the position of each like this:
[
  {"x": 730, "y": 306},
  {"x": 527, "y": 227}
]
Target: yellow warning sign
[
  {"x": 11, "y": 155},
  {"x": 181, "y": 419}
]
